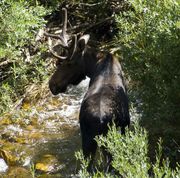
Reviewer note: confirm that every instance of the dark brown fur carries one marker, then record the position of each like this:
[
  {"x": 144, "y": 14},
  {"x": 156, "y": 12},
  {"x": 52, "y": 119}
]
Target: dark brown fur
[{"x": 106, "y": 99}]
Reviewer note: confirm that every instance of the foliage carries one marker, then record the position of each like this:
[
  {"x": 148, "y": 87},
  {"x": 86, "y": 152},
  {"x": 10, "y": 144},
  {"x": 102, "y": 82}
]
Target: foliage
[
  {"x": 48, "y": 4},
  {"x": 6, "y": 95},
  {"x": 149, "y": 44},
  {"x": 130, "y": 156},
  {"x": 19, "y": 24}
]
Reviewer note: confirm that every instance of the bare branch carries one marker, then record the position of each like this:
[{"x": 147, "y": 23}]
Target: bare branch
[
  {"x": 5, "y": 63},
  {"x": 90, "y": 5}
]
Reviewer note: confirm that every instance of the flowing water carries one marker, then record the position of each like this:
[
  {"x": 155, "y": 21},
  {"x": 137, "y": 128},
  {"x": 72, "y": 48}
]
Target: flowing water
[{"x": 41, "y": 139}]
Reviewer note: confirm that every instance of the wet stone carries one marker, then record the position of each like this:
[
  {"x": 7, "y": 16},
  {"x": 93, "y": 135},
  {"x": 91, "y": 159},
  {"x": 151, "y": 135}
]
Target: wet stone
[
  {"x": 47, "y": 163},
  {"x": 8, "y": 157},
  {"x": 18, "y": 172},
  {"x": 5, "y": 121}
]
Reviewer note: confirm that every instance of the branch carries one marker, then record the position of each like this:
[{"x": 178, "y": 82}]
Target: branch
[
  {"x": 5, "y": 63},
  {"x": 101, "y": 22},
  {"x": 90, "y": 5},
  {"x": 88, "y": 27}
]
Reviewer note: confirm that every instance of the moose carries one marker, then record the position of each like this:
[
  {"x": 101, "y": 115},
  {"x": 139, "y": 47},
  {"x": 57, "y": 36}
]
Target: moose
[{"x": 106, "y": 100}]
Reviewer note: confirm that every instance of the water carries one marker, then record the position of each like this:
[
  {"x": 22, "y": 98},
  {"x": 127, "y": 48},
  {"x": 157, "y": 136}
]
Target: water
[
  {"x": 3, "y": 165},
  {"x": 41, "y": 139}
]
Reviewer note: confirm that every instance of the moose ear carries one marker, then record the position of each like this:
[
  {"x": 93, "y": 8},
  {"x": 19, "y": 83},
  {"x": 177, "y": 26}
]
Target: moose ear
[{"x": 82, "y": 42}]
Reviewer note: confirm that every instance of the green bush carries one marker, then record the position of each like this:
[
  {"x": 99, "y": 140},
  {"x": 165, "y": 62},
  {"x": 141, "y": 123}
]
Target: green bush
[
  {"x": 149, "y": 44},
  {"x": 19, "y": 21},
  {"x": 130, "y": 157}
]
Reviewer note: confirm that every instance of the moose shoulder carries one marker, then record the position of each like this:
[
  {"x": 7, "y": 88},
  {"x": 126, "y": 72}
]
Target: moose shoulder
[{"x": 106, "y": 99}]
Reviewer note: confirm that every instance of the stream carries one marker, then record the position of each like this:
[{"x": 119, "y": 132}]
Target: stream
[{"x": 41, "y": 139}]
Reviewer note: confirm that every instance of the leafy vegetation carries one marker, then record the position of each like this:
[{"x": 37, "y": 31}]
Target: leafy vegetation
[
  {"x": 130, "y": 157},
  {"x": 148, "y": 39},
  {"x": 19, "y": 24}
]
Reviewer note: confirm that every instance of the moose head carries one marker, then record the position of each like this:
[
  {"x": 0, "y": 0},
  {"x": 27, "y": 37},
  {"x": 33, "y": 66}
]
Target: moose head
[{"x": 69, "y": 66}]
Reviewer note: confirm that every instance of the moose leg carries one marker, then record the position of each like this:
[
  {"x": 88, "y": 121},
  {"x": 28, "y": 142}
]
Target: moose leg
[
  {"x": 108, "y": 160},
  {"x": 123, "y": 130},
  {"x": 89, "y": 147}
]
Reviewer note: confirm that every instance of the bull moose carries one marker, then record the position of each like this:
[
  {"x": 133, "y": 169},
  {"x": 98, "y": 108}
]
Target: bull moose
[{"x": 106, "y": 100}]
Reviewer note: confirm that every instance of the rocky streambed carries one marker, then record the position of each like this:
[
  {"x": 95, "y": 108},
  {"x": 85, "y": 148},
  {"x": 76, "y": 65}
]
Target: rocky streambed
[{"x": 40, "y": 139}]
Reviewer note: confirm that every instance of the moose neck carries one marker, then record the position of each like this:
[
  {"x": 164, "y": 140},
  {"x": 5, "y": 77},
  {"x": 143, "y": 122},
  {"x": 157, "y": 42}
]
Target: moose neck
[
  {"x": 104, "y": 70},
  {"x": 89, "y": 61},
  {"x": 104, "y": 64}
]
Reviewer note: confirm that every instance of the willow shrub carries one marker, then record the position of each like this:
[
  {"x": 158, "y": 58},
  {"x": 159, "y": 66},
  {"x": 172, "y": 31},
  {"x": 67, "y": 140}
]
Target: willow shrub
[
  {"x": 149, "y": 44},
  {"x": 130, "y": 157},
  {"x": 19, "y": 21}
]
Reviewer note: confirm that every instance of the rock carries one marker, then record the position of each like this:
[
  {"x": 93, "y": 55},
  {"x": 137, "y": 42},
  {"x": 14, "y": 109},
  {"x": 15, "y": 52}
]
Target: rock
[
  {"x": 46, "y": 164},
  {"x": 5, "y": 121},
  {"x": 42, "y": 167},
  {"x": 8, "y": 157},
  {"x": 18, "y": 172}
]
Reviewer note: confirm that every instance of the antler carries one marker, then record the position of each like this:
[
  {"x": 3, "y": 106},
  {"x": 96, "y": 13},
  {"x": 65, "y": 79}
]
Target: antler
[
  {"x": 64, "y": 38},
  {"x": 64, "y": 34}
]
